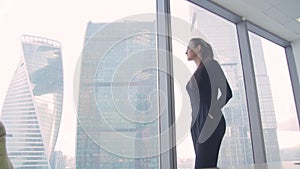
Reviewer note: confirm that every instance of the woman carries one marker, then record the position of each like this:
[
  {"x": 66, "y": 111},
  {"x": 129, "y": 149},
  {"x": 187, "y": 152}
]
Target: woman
[{"x": 209, "y": 92}]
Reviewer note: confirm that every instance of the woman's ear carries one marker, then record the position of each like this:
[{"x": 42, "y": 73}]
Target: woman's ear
[{"x": 198, "y": 48}]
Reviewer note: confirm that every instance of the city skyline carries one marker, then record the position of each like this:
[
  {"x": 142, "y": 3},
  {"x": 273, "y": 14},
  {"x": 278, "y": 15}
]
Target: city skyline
[
  {"x": 71, "y": 36},
  {"x": 21, "y": 18}
]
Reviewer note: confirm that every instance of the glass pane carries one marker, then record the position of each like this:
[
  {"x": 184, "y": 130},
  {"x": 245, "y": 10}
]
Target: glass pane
[
  {"x": 80, "y": 89},
  {"x": 277, "y": 106},
  {"x": 189, "y": 20}
]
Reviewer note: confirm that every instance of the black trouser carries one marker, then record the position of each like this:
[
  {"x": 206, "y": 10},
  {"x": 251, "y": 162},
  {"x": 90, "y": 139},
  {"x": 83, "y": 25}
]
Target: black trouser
[{"x": 207, "y": 152}]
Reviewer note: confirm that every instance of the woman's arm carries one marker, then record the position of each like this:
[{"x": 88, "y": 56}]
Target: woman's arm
[{"x": 220, "y": 90}]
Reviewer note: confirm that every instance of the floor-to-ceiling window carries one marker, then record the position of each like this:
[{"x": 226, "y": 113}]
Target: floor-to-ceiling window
[
  {"x": 110, "y": 108},
  {"x": 276, "y": 101},
  {"x": 114, "y": 110},
  {"x": 189, "y": 20}
]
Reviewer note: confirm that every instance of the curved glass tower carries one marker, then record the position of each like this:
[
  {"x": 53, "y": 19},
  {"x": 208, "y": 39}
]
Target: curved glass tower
[{"x": 33, "y": 105}]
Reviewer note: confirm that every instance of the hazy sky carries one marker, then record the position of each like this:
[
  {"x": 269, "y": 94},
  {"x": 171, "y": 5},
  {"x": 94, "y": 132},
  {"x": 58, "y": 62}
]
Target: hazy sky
[{"x": 64, "y": 21}]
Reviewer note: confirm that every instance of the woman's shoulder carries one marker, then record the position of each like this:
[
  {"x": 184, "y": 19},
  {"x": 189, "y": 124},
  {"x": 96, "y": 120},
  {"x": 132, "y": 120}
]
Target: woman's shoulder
[
  {"x": 213, "y": 66},
  {"x": 211, "y": 63}
]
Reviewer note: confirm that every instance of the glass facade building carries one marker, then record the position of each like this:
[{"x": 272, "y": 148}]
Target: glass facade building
[
  {"x": 117, "y": 106},
  {"x": 33, "y": 105}
]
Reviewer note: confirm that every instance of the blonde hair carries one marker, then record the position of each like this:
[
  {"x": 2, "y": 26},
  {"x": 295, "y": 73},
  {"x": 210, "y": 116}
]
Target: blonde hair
[{"x": 206, "y": 51}]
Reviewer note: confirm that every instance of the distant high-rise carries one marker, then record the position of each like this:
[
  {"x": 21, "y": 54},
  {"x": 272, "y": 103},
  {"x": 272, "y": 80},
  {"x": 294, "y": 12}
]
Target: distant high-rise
[
  {"x": 117, "y": 105},
  {"x": 58, "y": 160},
  {"x": 33, "y": 105},
  {"x": 266, "y": 104}
]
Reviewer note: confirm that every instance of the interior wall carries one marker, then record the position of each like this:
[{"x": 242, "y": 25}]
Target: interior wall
[{"x": 296, "y": 50}]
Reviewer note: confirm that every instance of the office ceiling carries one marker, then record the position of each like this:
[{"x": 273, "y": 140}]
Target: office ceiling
[{"x": 276, "y": 16}]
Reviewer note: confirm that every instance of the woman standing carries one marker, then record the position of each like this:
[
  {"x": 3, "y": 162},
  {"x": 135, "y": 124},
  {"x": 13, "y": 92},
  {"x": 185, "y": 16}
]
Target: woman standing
[{"x": 209, "y": 91}]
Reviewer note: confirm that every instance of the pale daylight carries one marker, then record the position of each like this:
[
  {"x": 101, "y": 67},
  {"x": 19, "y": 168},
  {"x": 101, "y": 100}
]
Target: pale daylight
[{"x": 149, "y": 84}]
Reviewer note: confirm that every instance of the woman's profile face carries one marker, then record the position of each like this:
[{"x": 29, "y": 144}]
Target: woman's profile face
[{"x": 191, "y": 51}]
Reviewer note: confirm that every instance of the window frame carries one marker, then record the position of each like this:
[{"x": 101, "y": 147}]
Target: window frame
[{"x": 168, "y": 159}]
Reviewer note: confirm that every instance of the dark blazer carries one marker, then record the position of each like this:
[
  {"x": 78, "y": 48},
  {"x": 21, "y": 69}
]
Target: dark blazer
[{"x": 209, "y": 90}]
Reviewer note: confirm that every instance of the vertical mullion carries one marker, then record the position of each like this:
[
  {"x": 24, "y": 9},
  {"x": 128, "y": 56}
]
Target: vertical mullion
[
  {"x": 165, "y": 83},
  {"x": 294, "y": 78},
  {"x": 251, "y": 94}
]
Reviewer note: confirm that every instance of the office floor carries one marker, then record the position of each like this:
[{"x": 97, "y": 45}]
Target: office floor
[{"x": 282, "y": 165}]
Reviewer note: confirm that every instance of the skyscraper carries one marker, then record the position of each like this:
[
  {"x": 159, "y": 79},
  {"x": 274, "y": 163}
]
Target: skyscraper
[
  {"x": 33, "y": 105},
  {"x": 58, "y": 160},
  {"x": 117, "y": 105},
  {"x": 266, "y": 105}
]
